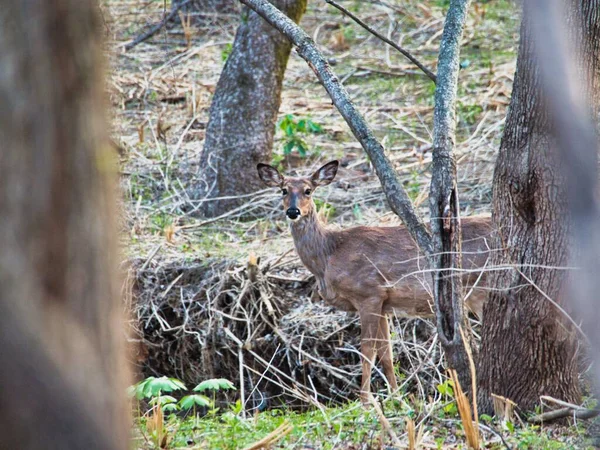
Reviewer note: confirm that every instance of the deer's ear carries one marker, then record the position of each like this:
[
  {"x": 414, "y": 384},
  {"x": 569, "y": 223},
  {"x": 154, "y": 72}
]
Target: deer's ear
[
  {"x": 325, "y": 174},
  {"x": 269, "y": 175}
]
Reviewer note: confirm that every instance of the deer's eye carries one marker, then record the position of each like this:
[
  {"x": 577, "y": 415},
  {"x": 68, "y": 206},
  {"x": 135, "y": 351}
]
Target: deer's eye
[
  {"x": 284, "y": 192},
  {"x": 307, "y": 192}
]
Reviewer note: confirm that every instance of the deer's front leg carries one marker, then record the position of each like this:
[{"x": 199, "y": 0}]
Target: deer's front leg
[{"x": 370, "y": 314}]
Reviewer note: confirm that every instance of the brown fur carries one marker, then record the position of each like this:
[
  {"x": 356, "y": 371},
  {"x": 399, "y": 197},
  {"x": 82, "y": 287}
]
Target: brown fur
[{"x": 373, "y": 270}]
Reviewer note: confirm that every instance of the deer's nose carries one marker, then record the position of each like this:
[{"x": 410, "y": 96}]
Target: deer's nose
[{"x": 293, "y": 213}]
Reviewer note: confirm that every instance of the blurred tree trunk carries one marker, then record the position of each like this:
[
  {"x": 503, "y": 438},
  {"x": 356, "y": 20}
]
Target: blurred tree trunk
[
  {"x": 244, "y": 110},
  {"x": 528, "y": 347},
  {"x": 63, "y": 370}
]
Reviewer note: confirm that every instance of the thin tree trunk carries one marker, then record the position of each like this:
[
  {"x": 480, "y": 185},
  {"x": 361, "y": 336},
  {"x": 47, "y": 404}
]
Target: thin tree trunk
[
  {"x": 444, "y": 205},
  {"x": 61, "y": 332},
  {"x": 244, "y": 110},
  {"x": 528, "y": 347}
]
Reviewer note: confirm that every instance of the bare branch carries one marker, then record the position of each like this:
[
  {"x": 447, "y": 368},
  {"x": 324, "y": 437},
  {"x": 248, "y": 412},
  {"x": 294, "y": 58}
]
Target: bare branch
[
  {"x": 156, "y": 28},
  {"x": 443, "y": 198},
  {"x": 380, "y": 36},
  {"x": 392, "y": 187}
]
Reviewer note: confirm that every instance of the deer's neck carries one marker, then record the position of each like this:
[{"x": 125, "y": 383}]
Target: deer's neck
[{"x": 314, "y": 243}]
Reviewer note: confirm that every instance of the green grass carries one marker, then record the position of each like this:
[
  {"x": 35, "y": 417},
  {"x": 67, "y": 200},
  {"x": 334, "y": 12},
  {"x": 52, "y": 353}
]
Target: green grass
[{"x": 339, "y": 428}]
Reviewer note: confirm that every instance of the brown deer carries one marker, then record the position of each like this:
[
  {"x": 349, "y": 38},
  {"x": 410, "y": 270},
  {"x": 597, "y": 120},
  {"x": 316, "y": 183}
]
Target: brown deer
[{"x": 372, "y": 270}]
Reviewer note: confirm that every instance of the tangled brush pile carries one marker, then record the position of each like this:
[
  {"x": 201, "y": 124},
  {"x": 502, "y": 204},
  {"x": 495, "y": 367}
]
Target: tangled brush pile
[{"x": 262, "y": 327}]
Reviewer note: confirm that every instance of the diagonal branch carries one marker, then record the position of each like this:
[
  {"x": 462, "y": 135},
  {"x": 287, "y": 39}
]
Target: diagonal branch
[
  {"x": 380, "y": 36},
  {"x": 392, "y": 187},
  {"x": 443, "y": 199},
  {"x": 156, "y": 28}
]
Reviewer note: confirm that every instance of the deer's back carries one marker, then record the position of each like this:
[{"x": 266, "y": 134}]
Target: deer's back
[{"x": 384, "y": 263}]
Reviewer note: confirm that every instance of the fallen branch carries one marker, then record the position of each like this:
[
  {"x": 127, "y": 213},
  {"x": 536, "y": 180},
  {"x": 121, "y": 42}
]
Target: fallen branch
[
  {"x": 562, "y": 413},
  {"x": 156, "y": 28},
  {"x": 567, "y": 410},
  {"x": 397, "y": 197},
  {"x": 391, "y": 43}
]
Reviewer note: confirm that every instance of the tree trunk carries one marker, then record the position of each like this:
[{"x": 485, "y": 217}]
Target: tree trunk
[
  {"x": 244, "y": 110},
  {"x": 529, "y": 348},
  {"x": 63, "y": 371},
  {"x": 444, "y": 205}
]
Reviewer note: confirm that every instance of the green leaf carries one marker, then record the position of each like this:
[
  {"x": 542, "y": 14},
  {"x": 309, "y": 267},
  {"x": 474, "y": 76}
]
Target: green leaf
[
  {"x": 510, "y": 426},
  {"x": 314, "y": 127},
  {"x": 151, "y": 386},
  {"x": 163, "y": 400},
  {"x": 301, "y": 146},
  {"x": 170, "y": 407},
  {"x": 215, "y": 384},
  {"x": 357, "y": 212},
  {"x": 486, "y": 418},
  {"x": 288, "y": 147},
  {"x": 301, "y": 125},
  {"x": 189, "y": 401}
]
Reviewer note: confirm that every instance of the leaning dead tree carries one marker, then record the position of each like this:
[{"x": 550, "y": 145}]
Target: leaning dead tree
[
  {"x": 452, "y": 318},
  {"x": 61, "y": 335}
]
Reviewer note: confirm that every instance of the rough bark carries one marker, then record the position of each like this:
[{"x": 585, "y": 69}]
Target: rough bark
[
  {"x": 244, "y": 111},
  {"x": 444, "y": 205},
  {"x": 63, "y": 370},
  {"x": 572, "y": 114},
  {"x": 529, "y": 348},
  {"x": 395, "y": 193}
]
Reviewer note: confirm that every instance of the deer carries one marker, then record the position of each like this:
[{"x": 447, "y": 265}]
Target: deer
[{"x": 372, "y": 270}]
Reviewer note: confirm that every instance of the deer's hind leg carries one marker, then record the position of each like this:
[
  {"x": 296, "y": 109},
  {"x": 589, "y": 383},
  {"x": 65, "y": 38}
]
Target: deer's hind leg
[
  {"x": 384, "y": 351},
  {"x": 370, "y": 313}
]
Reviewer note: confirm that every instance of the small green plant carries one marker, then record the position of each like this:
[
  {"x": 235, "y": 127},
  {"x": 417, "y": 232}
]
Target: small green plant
[
  {"x": 469, "y": 113},
  {"x": 447, "y": 390},
  {"x": 153, "y": 388},
  {"x": 414, "y": 186},
  {"x": 294, "y": 130},
  {"x": 326, "y": 209},
  {"x": 226, "y": 52}
]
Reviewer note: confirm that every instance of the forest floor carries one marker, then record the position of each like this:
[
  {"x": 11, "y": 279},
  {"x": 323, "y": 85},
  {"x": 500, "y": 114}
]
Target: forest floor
[{"x": 191, "y": 275}]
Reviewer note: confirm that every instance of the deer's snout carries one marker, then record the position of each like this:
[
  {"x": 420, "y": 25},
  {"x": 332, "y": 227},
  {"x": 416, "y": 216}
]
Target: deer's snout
[{"x": 293, "y": 213}]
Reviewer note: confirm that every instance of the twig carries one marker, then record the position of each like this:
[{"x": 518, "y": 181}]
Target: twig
[
  {"x": 385, "y": 424},
  {"x": 396, "y": 195},
  {"x": 406, "y": 53},
  {"x": 150, "y": 257},
  {"x": 156, "y": 28},
  {"x": 279, "y": 433}
]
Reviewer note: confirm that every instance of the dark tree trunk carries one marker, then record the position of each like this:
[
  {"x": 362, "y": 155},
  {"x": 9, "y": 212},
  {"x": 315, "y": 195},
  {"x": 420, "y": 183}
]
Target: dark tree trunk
[
  {"x": 63, "y": 372},
  {"x": 529, "y": 348},
  {"x": 244, "y": 110}
]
